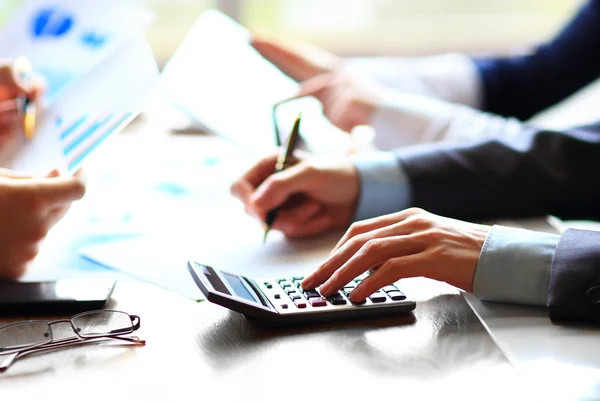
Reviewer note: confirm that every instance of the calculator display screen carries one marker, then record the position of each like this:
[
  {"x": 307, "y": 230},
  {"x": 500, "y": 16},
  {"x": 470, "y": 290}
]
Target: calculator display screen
[{"x": 237, "y": 285}]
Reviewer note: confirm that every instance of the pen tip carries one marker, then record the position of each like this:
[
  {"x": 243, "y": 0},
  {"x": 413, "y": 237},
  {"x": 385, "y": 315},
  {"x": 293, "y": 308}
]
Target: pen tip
[{"x": 265, "y": 235}]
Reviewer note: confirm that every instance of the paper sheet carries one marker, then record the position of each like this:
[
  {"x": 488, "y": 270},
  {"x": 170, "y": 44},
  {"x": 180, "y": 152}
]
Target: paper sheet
[
  {"x": 230, "y": 88},
  {"x": 64, "y": 39},
  {"x": 98, "y": 105},
  {"x": 234, "y": 245}
]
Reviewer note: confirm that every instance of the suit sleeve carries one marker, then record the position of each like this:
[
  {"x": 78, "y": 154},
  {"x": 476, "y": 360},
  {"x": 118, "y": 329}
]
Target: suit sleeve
[
  {"x": 521, "y": 86},
  {"x": 574, "y": 288},
  {"x": 531, "y": 173}
]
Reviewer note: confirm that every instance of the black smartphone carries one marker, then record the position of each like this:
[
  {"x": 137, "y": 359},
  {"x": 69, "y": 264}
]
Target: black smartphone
[{"x": 61, "y": 297}]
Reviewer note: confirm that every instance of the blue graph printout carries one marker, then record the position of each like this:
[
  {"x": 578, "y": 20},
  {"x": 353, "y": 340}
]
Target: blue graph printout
[
  {"x": 64, "y": 39},
  {"x": 81, "y": 136}
]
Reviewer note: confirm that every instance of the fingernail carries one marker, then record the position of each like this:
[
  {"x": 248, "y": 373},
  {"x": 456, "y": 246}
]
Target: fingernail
[
  {"x": 325, "y": 288},
  {"x": 352, "y": 296},
  {"x": 307, "y": 283}
]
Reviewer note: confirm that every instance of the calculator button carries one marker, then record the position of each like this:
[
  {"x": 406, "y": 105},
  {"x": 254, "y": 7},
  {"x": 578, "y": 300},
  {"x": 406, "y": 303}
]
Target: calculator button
[
  {"x": 294, "y": 297},
  {"x": 281, "y": 280},
  {"x": 350, "y": 286},
  {"x": 377, "y": 298},
  {"x": 312, "y": 294},
  {"x": 298, "y": 284},
  {"x": 291, "y": 291},
  {"x": 300, "y": 304},
  {"x": 359, "y": 302},
  {"x": 277, "y": 296},
  {"x": 337, "y": 299},
  {"x": 284, "y": 306},
  {"x": 396, "y": 295},
  {"x": 358, "y": 280},
  {"x": 389, "y": 288},
  {"x": 285, "y": 285},
  {"x": 268, "y": 285},
  {"x": 297, "y": 278},
  {"x": 318, "y": 301}
]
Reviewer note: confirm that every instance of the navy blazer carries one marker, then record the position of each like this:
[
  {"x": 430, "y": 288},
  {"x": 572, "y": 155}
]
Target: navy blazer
[{"x": 522, "y": 86}]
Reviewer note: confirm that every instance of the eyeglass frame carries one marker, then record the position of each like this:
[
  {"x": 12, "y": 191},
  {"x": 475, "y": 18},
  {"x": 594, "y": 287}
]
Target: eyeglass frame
[
  {"x": 278, "y": 141},
  {"x": 135, "y": 325}
]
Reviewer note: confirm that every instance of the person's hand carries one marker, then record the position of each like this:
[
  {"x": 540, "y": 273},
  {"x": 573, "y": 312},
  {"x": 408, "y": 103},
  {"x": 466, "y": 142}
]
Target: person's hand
[
  {"x": 29, "y": 207},
  {"x": 11, "y": 87},
  {"x": 315, "y": 195},
  {"x": 410, "y": 243},
  {"x": 298, "y": 61},
  {"x": 348, "y": 100}
]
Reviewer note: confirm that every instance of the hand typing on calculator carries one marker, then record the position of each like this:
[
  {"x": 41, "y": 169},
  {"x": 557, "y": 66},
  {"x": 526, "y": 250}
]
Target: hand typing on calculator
[{"x": 283, "y": 300}]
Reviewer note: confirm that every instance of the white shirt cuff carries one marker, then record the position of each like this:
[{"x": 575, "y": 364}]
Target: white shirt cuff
[
  {"x": 514, "y": 266},
  {"x": 384, "y": 185},
  {"x": 404, "y": 119}
]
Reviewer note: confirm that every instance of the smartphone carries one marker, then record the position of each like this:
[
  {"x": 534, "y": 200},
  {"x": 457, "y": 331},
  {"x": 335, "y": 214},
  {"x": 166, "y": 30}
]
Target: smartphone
[{"x": 69, "y": 296}]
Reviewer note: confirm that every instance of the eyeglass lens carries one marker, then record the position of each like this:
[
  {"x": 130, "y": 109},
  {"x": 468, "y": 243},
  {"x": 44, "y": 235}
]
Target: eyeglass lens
[
  {"x": 102, "y": 323},
  {"x": 24, "y": 335}
]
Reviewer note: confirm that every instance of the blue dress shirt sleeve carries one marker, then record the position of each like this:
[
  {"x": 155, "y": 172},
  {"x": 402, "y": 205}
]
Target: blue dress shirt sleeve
[
  {"x": 384, "y": 186},
  {"x": 514, "y": 266}
]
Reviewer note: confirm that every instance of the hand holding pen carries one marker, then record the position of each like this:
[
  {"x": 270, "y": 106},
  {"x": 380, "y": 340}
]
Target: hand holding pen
[
  {"x": 311, "y": 196},
  {"x": 19, "y": 92},
  {"x": 283, "y": 161}
]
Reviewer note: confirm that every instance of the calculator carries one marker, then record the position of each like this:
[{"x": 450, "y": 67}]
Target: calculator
[{"x": 282, "y": 301}]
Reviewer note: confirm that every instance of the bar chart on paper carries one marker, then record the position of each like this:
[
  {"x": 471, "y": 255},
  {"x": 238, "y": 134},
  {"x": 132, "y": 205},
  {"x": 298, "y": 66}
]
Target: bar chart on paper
[{"x": 79, "y": 137}]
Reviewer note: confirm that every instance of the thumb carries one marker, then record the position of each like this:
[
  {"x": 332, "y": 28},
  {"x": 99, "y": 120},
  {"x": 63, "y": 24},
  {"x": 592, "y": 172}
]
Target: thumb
[
  {"x": 279, "y": 187},
  {"x": 57, "y": 190}
]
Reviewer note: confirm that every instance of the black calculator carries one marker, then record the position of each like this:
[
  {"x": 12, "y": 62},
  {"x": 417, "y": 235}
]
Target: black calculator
[{"x": 282, "y": 300}]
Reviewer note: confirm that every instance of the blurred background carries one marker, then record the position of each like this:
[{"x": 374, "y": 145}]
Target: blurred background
[{"x": 368, "y": 27}]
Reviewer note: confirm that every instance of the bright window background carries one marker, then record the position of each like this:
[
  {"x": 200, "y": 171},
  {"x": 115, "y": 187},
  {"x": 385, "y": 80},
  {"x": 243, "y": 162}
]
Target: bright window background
[
  {"x": 402, "y": 27},
  {"x": 370, "y": 27}
]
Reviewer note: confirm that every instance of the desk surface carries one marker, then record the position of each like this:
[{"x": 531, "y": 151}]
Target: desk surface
[{"x": 441, "y": 350}]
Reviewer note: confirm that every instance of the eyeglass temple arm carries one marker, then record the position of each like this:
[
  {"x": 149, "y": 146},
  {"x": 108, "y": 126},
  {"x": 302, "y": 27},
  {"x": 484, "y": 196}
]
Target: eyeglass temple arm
[
  {"x": 10, "y": 358},
  {"x": 7, "y": 361}
]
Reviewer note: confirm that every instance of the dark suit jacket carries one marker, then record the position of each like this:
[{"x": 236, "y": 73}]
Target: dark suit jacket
[{"x": 537, "y": 172}]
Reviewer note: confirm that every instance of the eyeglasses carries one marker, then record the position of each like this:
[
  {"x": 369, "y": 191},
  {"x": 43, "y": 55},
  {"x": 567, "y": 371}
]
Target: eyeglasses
[
  {"x": 23, "y": 338},
  {"x": 278, "y": 140}
]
